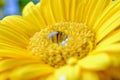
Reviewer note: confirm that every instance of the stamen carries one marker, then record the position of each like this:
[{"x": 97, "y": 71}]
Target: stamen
[{"x": 57, "y": 43}]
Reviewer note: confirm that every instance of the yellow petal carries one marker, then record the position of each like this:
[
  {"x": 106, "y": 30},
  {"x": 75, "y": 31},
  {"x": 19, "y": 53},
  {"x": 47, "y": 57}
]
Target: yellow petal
[
  {"x": 31, "y": 71},
  {"x": 108, "y": 26},
  {"x": 20, "y": 25},
  {"x": 40, "y": 16},
  {"x": 10, "y": 35},
  {"x": 9, "y": 51},
  {"x": 111, "y": 39},
  {"x": 95, "y": 62},
  {"x": 66, "y": 73},
  {"x": 112, "y": 51},
  {"x": 89, "y": 75},
  {"x": 107, "y": 14},
  {"x": 52, "y": 11},
  {"x": 32, "y": 14},
  {"x": 93, "y": 10},
  {"x": 97, "y": 9},
  {"x": 113, "y": 57},
  {"x": 113, "y": 48},
  {"x": 8, "y": 64},
  {"x": 27, "y": 7}
]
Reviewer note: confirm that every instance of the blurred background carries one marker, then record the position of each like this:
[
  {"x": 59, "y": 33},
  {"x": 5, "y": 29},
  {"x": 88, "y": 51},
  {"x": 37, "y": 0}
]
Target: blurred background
[{"x": 13, "y": 7}]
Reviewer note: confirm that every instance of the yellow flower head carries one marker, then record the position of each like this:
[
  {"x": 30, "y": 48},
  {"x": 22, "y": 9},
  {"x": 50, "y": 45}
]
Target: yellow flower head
[{"x": 62, "y": 40}]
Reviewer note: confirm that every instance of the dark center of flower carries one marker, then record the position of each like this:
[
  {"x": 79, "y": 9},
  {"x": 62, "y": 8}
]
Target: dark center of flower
[{"x": 59, "y": 42}]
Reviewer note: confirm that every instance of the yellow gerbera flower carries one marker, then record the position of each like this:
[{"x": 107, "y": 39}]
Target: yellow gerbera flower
[{"x": 62, "y": 40}]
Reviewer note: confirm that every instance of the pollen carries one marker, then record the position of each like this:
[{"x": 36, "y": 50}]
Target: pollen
[{"x": 59, "y": 42}]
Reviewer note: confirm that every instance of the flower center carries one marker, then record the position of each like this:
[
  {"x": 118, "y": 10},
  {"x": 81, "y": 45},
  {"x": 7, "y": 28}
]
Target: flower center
[{"x": 59, "y": 42}]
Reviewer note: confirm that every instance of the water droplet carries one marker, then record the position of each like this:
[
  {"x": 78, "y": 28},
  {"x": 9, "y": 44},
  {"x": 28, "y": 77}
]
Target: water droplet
[{"x": 58, "y": 37}]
